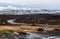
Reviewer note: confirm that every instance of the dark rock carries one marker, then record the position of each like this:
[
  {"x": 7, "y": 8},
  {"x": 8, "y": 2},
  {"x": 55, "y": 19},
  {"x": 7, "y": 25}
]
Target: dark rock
[{"x": 40, "y": 29}]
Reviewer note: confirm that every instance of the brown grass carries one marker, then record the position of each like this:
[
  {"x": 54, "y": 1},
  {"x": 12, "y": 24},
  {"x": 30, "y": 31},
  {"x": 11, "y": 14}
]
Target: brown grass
[{"x": 24, "y": 28}]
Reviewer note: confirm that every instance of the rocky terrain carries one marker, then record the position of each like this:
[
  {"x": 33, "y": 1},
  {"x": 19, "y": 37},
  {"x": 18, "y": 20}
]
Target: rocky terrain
[{"x": 29, "y": 32}]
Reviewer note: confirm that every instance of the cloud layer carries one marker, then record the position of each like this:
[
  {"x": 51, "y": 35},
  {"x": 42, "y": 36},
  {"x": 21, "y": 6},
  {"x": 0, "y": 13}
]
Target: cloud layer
[{"x": 52, "y": 4}]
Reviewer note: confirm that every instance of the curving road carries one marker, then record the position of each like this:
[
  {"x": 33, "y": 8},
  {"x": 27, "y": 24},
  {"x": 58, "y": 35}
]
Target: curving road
[{"x": 12, "y": 21}]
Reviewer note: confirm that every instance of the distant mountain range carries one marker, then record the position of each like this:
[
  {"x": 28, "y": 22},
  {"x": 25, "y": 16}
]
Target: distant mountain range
[{"x": 5, "y": 5}]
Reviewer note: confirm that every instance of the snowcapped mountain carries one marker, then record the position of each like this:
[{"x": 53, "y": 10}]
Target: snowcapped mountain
[{"x": 10, "y": 10}]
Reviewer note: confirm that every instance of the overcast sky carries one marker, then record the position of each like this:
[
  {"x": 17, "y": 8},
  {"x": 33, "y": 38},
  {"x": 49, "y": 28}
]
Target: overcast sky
[{"x": 49, "y": 4}]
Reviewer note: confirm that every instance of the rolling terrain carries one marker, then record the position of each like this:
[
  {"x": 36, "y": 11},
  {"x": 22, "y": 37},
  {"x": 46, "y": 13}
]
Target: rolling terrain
[
  {"x": 31, "y": 19},
  {"x": 30, "y": 25}
]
